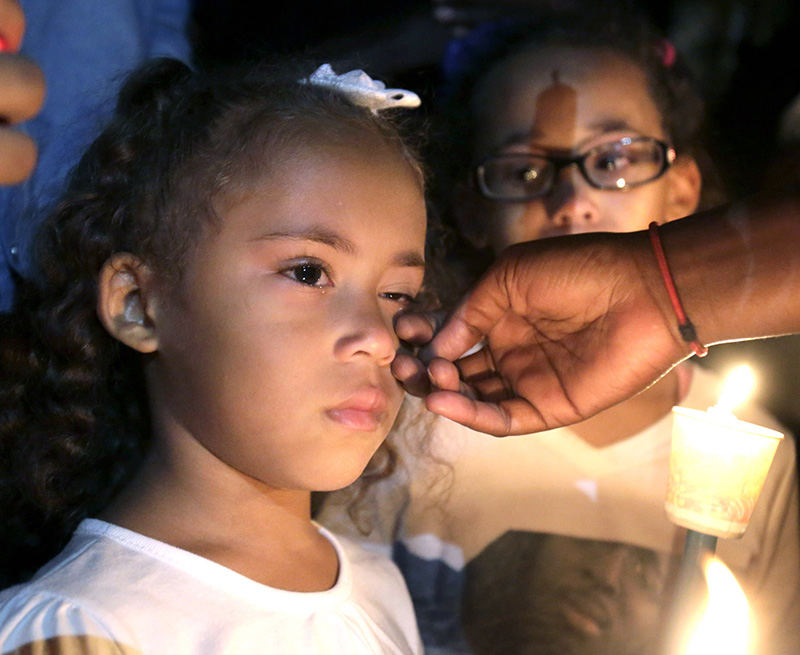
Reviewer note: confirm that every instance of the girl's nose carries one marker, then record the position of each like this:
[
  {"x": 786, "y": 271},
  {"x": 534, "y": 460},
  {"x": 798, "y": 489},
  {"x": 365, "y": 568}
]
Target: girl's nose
[
  {"x": 578, "y": 214},
  {"x": 570, "y": 206},
  {"x": 368, "y": 334}
]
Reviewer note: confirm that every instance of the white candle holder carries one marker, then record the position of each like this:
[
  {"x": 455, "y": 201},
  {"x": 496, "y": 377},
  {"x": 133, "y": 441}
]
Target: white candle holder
[{"x": 718, "y": 465}]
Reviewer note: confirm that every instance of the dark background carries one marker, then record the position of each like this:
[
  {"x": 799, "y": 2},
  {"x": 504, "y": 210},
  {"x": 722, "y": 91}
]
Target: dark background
[{"x": 744, "y": 53}]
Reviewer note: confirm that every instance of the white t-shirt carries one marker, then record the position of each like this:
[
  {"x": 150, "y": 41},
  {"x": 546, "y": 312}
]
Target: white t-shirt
[{"x": 115, "y": 591}]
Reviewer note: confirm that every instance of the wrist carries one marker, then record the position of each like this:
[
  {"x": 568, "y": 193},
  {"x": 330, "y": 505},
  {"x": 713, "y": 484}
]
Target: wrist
[
  {"x": 685, "y": 326},
  {"x": 639, "y": 248}
]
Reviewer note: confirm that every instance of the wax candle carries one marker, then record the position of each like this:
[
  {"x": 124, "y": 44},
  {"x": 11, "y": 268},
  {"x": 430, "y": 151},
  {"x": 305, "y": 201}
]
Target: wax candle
[{"x": 718, "y": 464}]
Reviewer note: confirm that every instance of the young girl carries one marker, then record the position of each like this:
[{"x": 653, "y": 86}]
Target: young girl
[
  {"x": 573, "y": 124},
  {"x": 209, "y": 343}
]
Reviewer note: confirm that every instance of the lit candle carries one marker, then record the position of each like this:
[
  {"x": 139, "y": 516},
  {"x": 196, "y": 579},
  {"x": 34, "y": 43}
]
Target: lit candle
[
  {"x": 723, "y": 625},
  {"x": 718, "y": 463}
]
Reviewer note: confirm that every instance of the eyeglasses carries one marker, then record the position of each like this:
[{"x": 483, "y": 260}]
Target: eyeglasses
[{"x": 617, "y": 165}]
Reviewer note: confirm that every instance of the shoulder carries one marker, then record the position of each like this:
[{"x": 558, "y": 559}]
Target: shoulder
[
  {"x": 36, "y": 620},
  {"x": 65, "y": 603},
  {"x": 83, "y": 594}
]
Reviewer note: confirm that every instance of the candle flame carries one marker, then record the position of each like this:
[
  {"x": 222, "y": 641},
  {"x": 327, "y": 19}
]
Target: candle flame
[
  {"x": 724, "y": 624},
  {"x": 737, "y": 387}
]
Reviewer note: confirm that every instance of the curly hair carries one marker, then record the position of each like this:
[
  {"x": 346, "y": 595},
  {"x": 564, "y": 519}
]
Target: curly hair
[{"x": 74, "y": 421}]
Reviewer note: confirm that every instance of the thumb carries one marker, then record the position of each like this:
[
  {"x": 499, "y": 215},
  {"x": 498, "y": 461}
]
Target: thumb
[
  {"x": 471, "y": 322},
  {"x": 476, "y": 315},
  {"x": 454, "y": 339}
]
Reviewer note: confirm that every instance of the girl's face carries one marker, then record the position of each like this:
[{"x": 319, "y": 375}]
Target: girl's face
[
  {"x": 273, "y": 353},
  {"x": 562, "y": 102}
]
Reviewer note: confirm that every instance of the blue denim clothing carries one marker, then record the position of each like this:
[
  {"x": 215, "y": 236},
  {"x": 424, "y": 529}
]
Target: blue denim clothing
[
  {"x": 84, "y": 47},
  {"x": 435, "y": 590}
]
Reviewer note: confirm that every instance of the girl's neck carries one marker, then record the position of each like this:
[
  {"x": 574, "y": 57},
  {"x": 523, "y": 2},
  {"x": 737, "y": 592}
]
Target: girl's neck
[
  {"x": 638, "y": 413},
  {"x": 216, "y": 512}
]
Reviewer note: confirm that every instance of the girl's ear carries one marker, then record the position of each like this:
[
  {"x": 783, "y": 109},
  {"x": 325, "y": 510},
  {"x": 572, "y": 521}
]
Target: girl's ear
[
  {"x": 683, "y": 194},
  {"x": 125, "y": 302}
]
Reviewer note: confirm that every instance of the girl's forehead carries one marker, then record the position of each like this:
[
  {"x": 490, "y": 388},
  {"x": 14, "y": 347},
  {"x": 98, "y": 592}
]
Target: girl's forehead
[
  {"x": 563, "y": 93},
  {"x": 575, "y": 65},
  {"x": 326, "y": 184},
  {"x": 281, "y": 168}
]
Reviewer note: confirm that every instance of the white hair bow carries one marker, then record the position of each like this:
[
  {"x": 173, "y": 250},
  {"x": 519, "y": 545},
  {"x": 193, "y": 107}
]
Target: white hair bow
[{"x": 362, "y": 90}]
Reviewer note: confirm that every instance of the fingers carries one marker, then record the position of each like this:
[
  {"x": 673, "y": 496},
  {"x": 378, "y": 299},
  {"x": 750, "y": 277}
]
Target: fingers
[
  {"x": 21, "y": 96},
  {"x": 455, "y": 395},
  {"x": 454, "y": 339},
  {"x": 418, "y": 379},
  {"x": 509, "y": 417},
  {"x": 444, "y": 375},
  {"x": 477, "y": 365},
  {"x": 417, "y": 328},
  {"x": 22, "y": 88},
  {"x": 411, "y": 374},
  {"x": 414, "y": 329},
  {"x": 472, "y": 321},
  {"x": 17, "y": 156},
  {"x": 12, "y": 25},
  {"x": 476, "y": 372}
]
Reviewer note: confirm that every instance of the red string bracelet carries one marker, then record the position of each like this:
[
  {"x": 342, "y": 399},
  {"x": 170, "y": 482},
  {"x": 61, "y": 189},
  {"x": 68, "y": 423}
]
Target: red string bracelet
[{"x": 685, "y": 326}]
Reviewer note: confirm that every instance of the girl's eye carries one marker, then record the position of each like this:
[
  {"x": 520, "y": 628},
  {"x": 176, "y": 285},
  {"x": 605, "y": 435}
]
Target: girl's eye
[
  {"x": 308, "y": 273},
  {"x": 612, "y": 162},
  {"x": 402, "y": 299}
]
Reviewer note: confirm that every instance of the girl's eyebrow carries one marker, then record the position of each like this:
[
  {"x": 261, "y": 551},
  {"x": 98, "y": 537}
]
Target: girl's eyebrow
[
  {"x": 611, "y": 125},
  {"x": 317, "y": 234},
  {"x": 517, "y": 138},
  {"x": 409, "y": 258},
  {"x": 601, "y": 126}
]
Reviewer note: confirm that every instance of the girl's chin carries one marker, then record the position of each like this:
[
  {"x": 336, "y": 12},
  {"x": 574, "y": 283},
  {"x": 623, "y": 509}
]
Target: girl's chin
[{"x": 345, "y": 476}]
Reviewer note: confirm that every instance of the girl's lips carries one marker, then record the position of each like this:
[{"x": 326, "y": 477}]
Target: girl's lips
[
  {"x": 362, "y": 410},
  {"x": 356, "y": 419}
]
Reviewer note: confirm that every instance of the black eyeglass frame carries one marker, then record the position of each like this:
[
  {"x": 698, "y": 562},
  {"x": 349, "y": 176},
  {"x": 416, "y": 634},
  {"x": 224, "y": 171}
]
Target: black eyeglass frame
[{"x": 668, "y": 152}]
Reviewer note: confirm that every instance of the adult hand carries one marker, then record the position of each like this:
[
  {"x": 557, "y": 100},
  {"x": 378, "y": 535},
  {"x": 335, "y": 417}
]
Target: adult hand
[
  {"x": 21, "y": 96},
  {"x": 570, "y": 325}
]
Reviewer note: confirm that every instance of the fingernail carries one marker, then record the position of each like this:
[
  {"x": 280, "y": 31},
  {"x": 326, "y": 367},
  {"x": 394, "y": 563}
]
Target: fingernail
[{"x": 431, "y": 379}]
